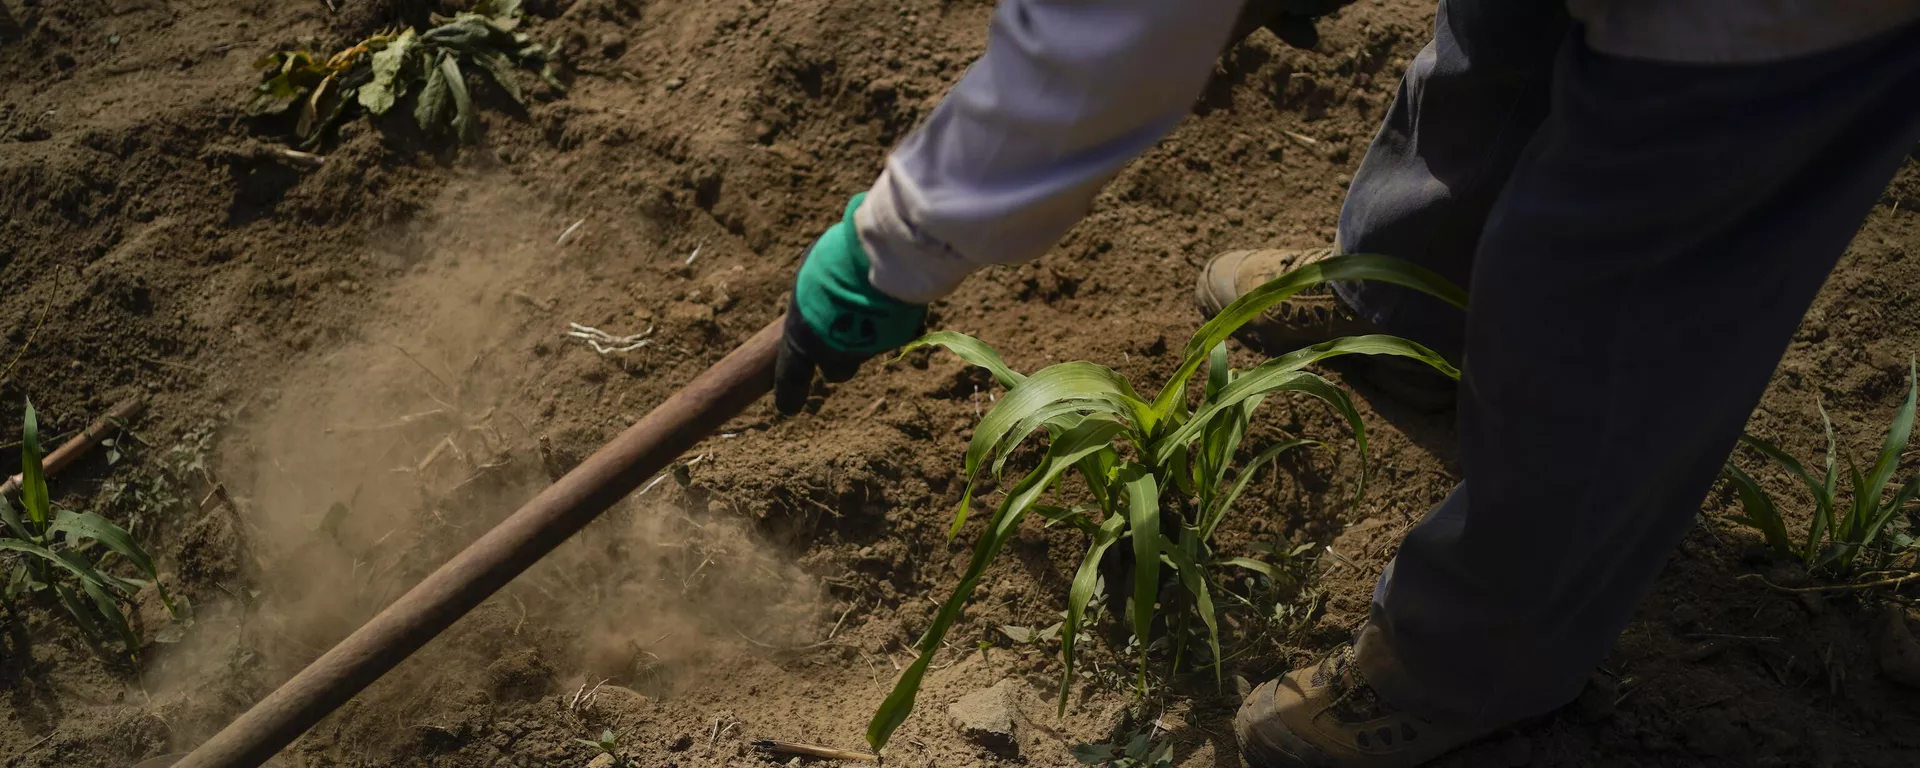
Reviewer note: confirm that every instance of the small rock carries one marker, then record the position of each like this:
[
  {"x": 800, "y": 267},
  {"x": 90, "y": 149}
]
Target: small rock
[
  {"x": 990, "y": 718},
  {"x": 612, "y": 44},
  {"x": 603, "y": 761},
  {"x": 1894, "y": 645},
  {"x": 681, "y": 744}
]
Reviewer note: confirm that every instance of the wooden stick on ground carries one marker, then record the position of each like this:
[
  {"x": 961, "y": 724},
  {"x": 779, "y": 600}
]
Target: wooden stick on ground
[
  {"x": 812, "y": 750},
  {"x": 73, "y": 449}
]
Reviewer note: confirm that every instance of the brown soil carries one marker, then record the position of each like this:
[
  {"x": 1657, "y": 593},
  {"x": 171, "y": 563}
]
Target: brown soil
[{"x": 386, "y": 333}]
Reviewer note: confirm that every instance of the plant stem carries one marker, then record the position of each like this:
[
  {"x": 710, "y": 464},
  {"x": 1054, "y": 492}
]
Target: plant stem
[{"x": 1893, "y": 582}]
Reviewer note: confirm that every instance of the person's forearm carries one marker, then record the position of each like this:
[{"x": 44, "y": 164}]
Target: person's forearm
[{"x": 1066, "y": 94}]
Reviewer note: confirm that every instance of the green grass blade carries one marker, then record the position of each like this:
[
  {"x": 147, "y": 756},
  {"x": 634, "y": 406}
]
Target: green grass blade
[
  {"x": 1065, "y": 451},
  {"x": 1084, "y": 581},
  {"x": 1247, "y": 471},
  {"x": 33, "y": 481},
  {"x": 1143, "y": 517},
  {"x": 971, "y": 350},
  {"x": 1249, "y": 306},
  {"x": 1262, "y": 568},
  {"x": 1195, "y": 580},
  {"x": 1761, "y": 514}
]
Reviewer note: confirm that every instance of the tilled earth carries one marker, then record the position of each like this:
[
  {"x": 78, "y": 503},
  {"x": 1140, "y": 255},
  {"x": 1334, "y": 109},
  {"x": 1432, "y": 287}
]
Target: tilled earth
[{"x": 354, "y": 368}]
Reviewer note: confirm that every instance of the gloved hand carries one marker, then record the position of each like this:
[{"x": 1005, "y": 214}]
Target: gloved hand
[{"x": 836, "y": 319}]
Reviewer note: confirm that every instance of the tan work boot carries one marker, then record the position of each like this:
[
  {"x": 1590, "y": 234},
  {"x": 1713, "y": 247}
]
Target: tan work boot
[
  {"x": 1308, "y": 317},
  {"x": 1326, "y": 716},
  {"x": 1312, "y": 316}
]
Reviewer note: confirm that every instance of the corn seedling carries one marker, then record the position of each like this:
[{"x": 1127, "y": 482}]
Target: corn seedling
[
  {"x": 52, "y": 553},
  {"x": 608, "y": 744},
  {"x": 1160, "y": 472},
  {"x": 383, "y": 70},
  {"x": 1870, "y": 523}
]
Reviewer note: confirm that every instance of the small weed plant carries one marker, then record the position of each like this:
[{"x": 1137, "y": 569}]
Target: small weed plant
[
  {"x": 57, "y": 555},
  {"x": 608, "y": 744},
  {"x": 1853, "y": 529},
  {"x": 1161, "y": 471},
  {"x": 383, "y": 70}
]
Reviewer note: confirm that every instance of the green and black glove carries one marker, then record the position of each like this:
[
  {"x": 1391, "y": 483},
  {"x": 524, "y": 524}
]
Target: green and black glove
[{"x": 837, "y": 319}]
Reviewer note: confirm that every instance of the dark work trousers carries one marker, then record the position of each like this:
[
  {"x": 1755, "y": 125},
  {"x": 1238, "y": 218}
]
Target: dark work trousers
[{"x": 1639, "y": 241}]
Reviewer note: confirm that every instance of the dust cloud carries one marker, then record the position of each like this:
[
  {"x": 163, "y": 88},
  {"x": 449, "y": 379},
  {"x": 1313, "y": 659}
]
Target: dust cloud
[{"x": 384, "y": 456}]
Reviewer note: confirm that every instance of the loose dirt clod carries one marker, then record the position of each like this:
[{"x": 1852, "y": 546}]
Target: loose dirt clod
[{"x": 990, "y": 718}]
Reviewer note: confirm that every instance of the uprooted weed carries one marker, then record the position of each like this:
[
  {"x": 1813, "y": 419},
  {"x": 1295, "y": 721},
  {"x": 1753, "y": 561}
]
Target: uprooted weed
[{"x": 382, "y": 71}]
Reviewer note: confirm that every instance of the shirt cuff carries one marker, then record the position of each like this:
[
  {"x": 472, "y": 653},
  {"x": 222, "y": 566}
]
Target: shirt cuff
[{"x": 906, "y": 262}]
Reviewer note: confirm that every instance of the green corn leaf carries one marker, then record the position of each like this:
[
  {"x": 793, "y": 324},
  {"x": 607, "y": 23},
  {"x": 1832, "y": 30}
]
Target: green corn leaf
[
  {"x": 1867, "y": 500},
  {"x": 1279, "y": 373},
  {"x": 1080, "y": 592},
  {"x": 1143, "y": 517},
  {"x": 33, "y": 482},
  {"x": 464, "y": 124},
  {"x": 1097, "y": 470},
  {"x": 1822, "y": 493},
  {"x": 1218, "y": 372},
  {"x": 110, "y": 611},
  {"x": 1885, "y": 514},
  {"x": 81, "y": 564},
  {"x": 1047, "y": 415},
  {"x": 1761, "y": 514},
  {"x": 1065, "y": 451},
  {"x": 1249, "y": 306},
  {"x": 1195, "y": 580},
  {"x": 1261, "y": 381},
  {"x": 1247, "y": 471},
  {"x": 430, "y": 109},
  {"x": 85, "y": 573},
  {"x": 1075, "y": 517},
  {"x": 1092, "y": 387},
  {"x": 81, "y": 612},
  {"x": 387, "y": 84},
  {"x": 87, "y": 525},
  {"x": 11, "y": 517}
]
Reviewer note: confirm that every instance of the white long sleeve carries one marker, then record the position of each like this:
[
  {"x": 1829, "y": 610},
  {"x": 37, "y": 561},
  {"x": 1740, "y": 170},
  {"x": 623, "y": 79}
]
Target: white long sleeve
[{"x": 1066, "y": 94}]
